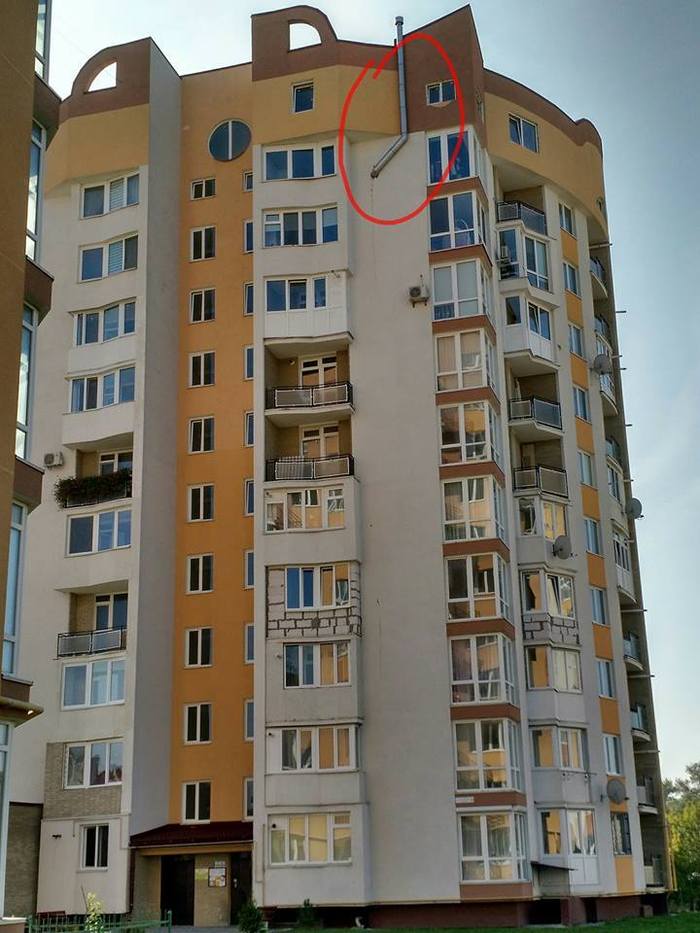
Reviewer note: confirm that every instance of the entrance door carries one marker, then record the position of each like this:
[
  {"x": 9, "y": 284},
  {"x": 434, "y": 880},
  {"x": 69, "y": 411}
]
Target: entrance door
[
  {"x": 177, "y": 888},
  {"x": 241, "y": 882}
]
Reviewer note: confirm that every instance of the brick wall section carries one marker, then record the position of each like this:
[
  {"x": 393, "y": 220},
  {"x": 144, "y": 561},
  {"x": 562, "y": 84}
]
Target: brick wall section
[
  {"x": 76, "y": 802},
  {"x": 281, "y": 622},
  {"x": 23, "y": 834},
  {"x": 539, "y": 628}
]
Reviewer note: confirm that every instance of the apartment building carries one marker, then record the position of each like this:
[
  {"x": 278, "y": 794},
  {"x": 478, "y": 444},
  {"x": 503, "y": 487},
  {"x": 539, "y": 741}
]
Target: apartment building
[
  {"x": 29, "y": 119},
  {"x": 340, "y": 596}
]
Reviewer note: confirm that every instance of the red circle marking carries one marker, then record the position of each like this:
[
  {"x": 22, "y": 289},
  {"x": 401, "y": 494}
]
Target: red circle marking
[{"x": 390, "y": 221}]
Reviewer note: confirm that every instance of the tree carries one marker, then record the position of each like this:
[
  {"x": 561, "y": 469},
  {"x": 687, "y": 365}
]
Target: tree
[
  {"x": 683, "y": 807},
  {"x": 681, "y": 791}
]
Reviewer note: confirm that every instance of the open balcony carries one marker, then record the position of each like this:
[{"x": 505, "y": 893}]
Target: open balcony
[
  {"x": 543, "y": 478},
  {"x": 632, "y": 649},
  {"x": 534, "y": 419},
  {"x": 646, "y": 796},
  {"x": 531, "y": 217},
  {"x": 295, "y": 469},
  {"x": 288, "y": 405},
  {"x": 77, "y": 491},
  {"x": 94, "y": 642},
  {"x": 598, "y": 278},
  {"x": 640, "y": 723}
]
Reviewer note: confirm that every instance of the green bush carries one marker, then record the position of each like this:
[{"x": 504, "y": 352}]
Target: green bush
[
  {"x": 86, "y": 490},
  {"x": 250, "y": 918},
  {"x": 306, "y": 917}
]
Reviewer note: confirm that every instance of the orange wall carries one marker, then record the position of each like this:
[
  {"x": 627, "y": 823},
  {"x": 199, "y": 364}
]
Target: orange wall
[{"x": 207, "y": 100}]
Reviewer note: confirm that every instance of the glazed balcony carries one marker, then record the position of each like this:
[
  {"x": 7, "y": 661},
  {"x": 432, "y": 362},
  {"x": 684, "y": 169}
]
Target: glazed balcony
[
  {"x": 543, "y": 478},
  {"x": 77, "y": 491},
  {"x": 640, "y": 723},
  {"x": 289, "y": 405},
  {"x": 71, "y": 644},
  {"x": 632, "y": 650},
  {"x": 653, "y": 871},
  {"x": 531, "y": 217},
  {"x": 534, "y": 419},
  {"x": 598, "y": 278},
  {"x": 296, "y": 469},
  {"x": 646, "y": 796},
  {"x": 528, "y": 344}
]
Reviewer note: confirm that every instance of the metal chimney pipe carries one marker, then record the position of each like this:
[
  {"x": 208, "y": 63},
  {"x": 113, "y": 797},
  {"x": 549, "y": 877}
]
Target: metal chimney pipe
[{"x": 403, "y": 120}]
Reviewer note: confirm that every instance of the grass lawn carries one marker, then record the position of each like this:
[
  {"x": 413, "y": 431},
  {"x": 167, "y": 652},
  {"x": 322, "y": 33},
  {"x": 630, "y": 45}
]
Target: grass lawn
[{"x": 675, "y": 923}]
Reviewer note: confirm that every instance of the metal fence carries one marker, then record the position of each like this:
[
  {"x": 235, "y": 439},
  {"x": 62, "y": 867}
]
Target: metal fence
[{"x": 110, "y": 923}]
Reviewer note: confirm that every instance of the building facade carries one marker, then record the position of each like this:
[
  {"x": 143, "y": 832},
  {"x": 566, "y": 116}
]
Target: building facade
[{"x": 340, "y": 596}]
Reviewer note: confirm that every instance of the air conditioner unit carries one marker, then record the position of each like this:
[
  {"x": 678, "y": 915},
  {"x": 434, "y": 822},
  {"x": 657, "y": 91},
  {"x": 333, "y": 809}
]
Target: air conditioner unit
[
  {"x": 419, "y": 293},
  {"x": 53, "y": 460}
]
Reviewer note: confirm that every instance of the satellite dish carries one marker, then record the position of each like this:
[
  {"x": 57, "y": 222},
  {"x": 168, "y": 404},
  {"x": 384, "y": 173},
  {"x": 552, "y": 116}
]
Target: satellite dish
[
  {"x": 616, "y": 790},
  {"x": 562, "y": 547},
  {"x": 602, "y": 365},
  {"x": 634, "y": 509}
]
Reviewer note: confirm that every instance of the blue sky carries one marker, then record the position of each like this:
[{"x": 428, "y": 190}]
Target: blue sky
[{"x": 630, "y": 66}]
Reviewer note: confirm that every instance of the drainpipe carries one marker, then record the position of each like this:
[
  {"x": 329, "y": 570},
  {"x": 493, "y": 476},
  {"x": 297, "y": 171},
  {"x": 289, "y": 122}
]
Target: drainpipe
[{"x": 403, "y": 124}]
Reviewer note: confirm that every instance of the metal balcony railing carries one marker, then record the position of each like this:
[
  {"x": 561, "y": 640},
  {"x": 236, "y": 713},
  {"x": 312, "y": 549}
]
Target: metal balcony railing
[
  {"x": 336, "y": 393},
  {"x": 613, "y": 449},
  {"x": 603, "y": 328},
  {"x": 72, "y": 643},
  {"x": 535, "y": 409},
  {"x": 297, "y": 468},
  {"x": 598, "y": 269},
  {"x": 638, "y": 716},
  {"x": 632, "y": 647},
  {"x": 92, "y": 490},
  {"x": 547, "y": 479},
  {"x": 533, "y": 218}
]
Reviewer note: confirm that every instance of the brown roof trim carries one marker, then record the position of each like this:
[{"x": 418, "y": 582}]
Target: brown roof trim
[
  {"x": 179, "y": 834},
  {"x": 491, "y": 798},
  {"x": 477, "y": 546},
  {"x": 462, "y": 185},
  {"x": 485, "y": 711},
  {"x": 480, "y": 627},
  {"x": 481, "y": 468},
  {"x": 514, "y": 891},
  {"x": 47, "y": 104},
  {"x": 38, "y": 285},
  {"x": 473, "y": 322},
  {"x": 27, "y": 483},
  {"x": 478, "y": 394},
  {"x": 133, "y": 61},
  {"x": 477, "y": 251},
  {"x": 579, "y": 131}
]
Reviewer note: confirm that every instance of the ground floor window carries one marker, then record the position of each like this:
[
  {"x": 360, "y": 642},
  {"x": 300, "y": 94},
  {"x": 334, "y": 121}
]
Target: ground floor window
[
  {"x": 310, "y": 838},
  {"x": 95, "y": 846},
  {"x": 494, "y": 846}
]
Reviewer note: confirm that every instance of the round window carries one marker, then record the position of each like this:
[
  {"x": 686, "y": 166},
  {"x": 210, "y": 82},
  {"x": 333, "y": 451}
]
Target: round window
[{"x": 229, "y": 140}]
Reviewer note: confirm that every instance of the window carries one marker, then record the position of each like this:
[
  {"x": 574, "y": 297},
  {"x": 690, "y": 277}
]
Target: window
[
  {"x": 110, "y": 196},
  {"x": 37, "y": 148},
  {"x": 105, "y": 324},
  {"x": 606, "y": 678},
  {"x": 317, "y": 587},
  {"x": 586, "y": 469},
  {"x": 95, "y": 846},
  {"x": 249, "y": 636},
  {"x": 200, "y": 503},
  {"x": 581, "y": 407},
  {"x": 553, "y": 668},
  {"x": 200, "y": 573},
  {"x": 13, "y": 590},
  {"x": 248, "y": 236},
  {"x": 96, "y": 262},
  {"x": 559, "y": 747},
  {"x": 581, "y": 827},
  {"x": 457, "y": 220},
  {"x": 295, "y": 294},
  {"x": 111, "y": 611},
  {"x": 197, "y": 723},
  {"x": 202, "y": 366},
  {"x": 93, "y": 764},
  {"x": 229, "y": 140},
  {"x": 25, "y": 381},
  {"x": 566, "y": 219},
  {"x": 249, "y": 569},
  {"x": 477, "y": 587},
  {"x": 621, "y": 838},
  {"x": 461, "y": 289},
  {"x": 303, "y": 97},
  {"x": 482, "y": 669},
  {"x": 612, "y": 753},
  {"x": 615, "y": 484},
  {"x": 293, "y": 162},
  {"x": 536, "y": 263},
  {"x": 304, "y": 509},
  {"x": 441, "y": 149},
  {"x": 441, "y": 92},
  {"x": 100, "y": 683},
  {"x": 203, "y": 188},
  {"x": 249, "y": 429},
  {"x": 469, "y": 431},
  {"x": 592, "y": 528},
  {"x": 523, "y": 133},
  {"x": 464, "y": 361},
  {"x": 248, "y": 497},
  {"x": 621, "y": 547},
  {"x": 473, "y": 508},
  {"x": 201, "y": 435},
  {"x": 247, "y": 181},
  {"x": 576, "y": 340},
  {"x": 248, "y": 720},
  {"x": 198, "y": 647},
  {"x": 104, "y": 531},
  {"x": 551, "y": 832},
  {"x": 203, "y": 243},
  {"x": 114, "y": 461},
  {"x": 320, "y": 664},
  {"x": 310, "y": 838},
  {"x": 202, "y": 305},
  {"x": 599, "y": 606},
  {"x": 248, "y": 357},
  {"x": 90, "y": 392},
  {"x": 539, "y": 321},
  {"x": 300, "y": 228},
  {"x": 493, "y": 846},
  {"x": 248, "y": 797},
  {"x": 539, "y": 516},
  {"x": 248, "y": 297},
  {"x": 548, "y": 593},
  {"x": 487, "y": 754},
  {"x": 571, "y": 278},
  {"x": 323, "y": 748},
  {"x": 196, "y": 802}
]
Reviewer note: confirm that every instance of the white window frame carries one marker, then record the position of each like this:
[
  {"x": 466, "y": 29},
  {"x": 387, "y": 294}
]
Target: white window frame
[
  {"x": 582, "y": 403},
  {"x": 275, "y": 219},
  {"x": 248, "y": 497},
  {"x": 199, "y": 722},
  {"x": 194, "y": 637},
  {"x": 521, "y": 138},
  {"x": 612, "y": 754},
  {"x": 482, "y": 297},
  {"x": 473, "y": 236},
  {"x": 441, "y": 92},
  {"x": 89, "y": 665},
  {"x": 106, "y": 195},
  {"x": 484, "y": 367},
  {"x": 594, "y": 541},
  {"x": 204, "y": 358},
  {"x": 310, "y": 286},
  {"x": 79, "y": 318},
  {"x": 601, "y": 609},
  {"x": 340, "y": 649},
  {"x": 443, "y": 136},
  {"x": 198, "y": 243},
  {"x": 571, "y": 278},
  {"x": 249, "y": 720},
  {"x": 318, "y": 571},
  {"x": 605, "y": 678},
  {"x": 95, "y": 516},
  {"x": 567, "y": 219},
  {"x": 280, "y": 824},
  {"x": 203, "y": 182},
  {"x": 558, "y": 659},
  {"x": 484, "y": 689},
  {"x": 587, "y": 474},
  {"x": 499, "y": 595},
  {"x": 511, "y": 767},
  {"x": 248, "y": 811},
  {"x": 316, "y": 149},
  {"x": 249, "y": 429},
  {"x": 249, "y": 643},
  {"x": 576, "y": 343},
  {"x": 197, "y": 560},
  {"x": 518, "y": 857},
  {"x": 99, "y": 378},
  {"x": 488, "y": 513},
  {"x": 561, "y": 738},
  {"x": 248, "y": 362},
  {"x": 249, "y": 569},
  {"x": 327, "y": 496},
  {"x": 196, "y": 819},
  {"x": 202, "y": 294},
  {"x": 314, "y": 735},
  {"x": 247, "y": 181},
  {"x": 492, "y": 435},
  {"x": 105, "y": 258},
  {"x": 201, "y": 421},
  {"x": 100, "y": 830},
  {"x": 87, "y": 756},
  {"x": 301, "y": 85},
  {"x": 248, "y": 289},
  {"x": 200, "y": 488}
]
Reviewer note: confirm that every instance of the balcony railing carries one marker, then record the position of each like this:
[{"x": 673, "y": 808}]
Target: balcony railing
[
  {"x": 602, "y": 327},
  {"x": 533, "y": 218},
  {"x": 297, "y": 468},
  {"x": 645, "y": 793},
  {"x": 536, "y": 409},
  {"x": 336, "y": 393},
  {"x": 613, "y": 450},
  {"x": 547, "y": 479},
  {"x": 109, "y": 639},
  {"x": 632, "y": 647},
  {"x": 638, "y": 717},
  {"x": 598, "y": 269},
  {"x": 92, "y": 490}
]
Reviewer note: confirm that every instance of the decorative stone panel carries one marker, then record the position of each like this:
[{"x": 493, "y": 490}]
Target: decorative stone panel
[
  {"x": 543, "y": 628},
  {"x": 74, "y": 802},
  {"x": 300, "y": 623}
]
